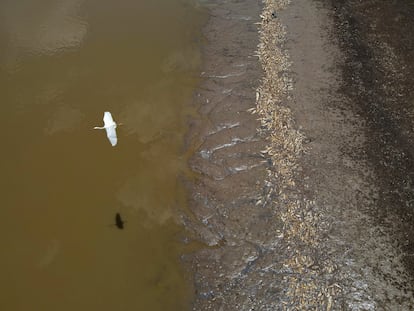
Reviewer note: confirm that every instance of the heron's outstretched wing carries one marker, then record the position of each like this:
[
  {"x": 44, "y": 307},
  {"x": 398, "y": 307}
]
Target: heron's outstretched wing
[
  {"x": 111, "y": 133},
  {"x": 108, "y": 118}
]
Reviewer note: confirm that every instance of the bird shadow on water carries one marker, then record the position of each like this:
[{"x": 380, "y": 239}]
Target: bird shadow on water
[{"x": 119, "y": 222}]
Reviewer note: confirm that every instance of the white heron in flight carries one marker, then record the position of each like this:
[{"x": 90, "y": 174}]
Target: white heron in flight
[{"x": 110, "y": 127}]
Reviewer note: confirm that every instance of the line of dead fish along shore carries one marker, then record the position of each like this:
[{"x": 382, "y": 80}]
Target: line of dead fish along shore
[{"x": 306, "y": 269}]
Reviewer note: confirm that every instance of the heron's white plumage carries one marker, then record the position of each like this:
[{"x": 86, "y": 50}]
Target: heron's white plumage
[
  {"x": 111, "y": 133},
  {"x": 110, "y": 127},
  {"x": 108, "y": 120}
]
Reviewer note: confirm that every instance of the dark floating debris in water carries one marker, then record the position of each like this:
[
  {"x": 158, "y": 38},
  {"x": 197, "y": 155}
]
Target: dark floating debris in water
[{"x": 118, "y": 221}]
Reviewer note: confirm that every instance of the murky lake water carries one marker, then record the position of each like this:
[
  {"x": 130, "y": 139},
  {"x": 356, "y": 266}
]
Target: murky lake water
[{"x": 63, "y": 63}]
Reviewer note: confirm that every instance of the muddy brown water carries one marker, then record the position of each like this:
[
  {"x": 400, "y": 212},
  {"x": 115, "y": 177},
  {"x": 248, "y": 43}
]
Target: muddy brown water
[{"x": 63, "y": 63}]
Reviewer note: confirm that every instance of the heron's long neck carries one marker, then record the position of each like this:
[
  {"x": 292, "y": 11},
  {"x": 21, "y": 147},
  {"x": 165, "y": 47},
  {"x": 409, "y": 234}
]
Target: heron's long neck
[{"x": 99, "y": 128}]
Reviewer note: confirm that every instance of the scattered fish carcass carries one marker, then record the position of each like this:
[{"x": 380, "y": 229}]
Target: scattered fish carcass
[{"x": 305, "y": 286}]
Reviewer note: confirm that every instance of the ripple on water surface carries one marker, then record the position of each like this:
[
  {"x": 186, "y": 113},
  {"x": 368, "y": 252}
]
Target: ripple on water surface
[{"x": 63, "y": 64}]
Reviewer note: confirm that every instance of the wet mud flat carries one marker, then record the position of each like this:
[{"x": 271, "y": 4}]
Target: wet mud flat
[
  {"x": 228, "y": 161},
  {"x": 304, "y": 195}
]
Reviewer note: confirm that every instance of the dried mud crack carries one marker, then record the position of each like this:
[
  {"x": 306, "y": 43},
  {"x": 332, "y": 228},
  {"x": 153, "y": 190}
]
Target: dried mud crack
[{"x": 304, "y": 190}]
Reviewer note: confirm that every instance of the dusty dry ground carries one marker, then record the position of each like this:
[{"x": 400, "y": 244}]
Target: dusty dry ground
[{"x": 304, "y": 158}]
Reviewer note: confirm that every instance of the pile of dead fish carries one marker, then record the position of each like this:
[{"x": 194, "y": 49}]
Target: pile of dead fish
[{"x": 305, "y": 270}]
